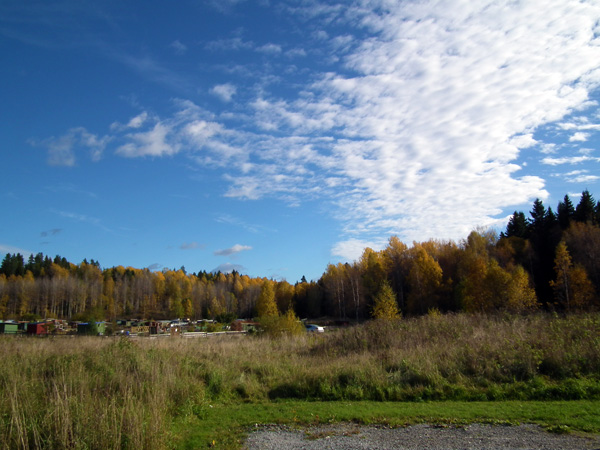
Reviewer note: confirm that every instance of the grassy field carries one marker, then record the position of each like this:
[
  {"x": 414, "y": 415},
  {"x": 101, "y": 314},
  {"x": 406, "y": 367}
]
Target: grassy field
[
  {"x": 88, "y": 393},
  {"x": 225, "y": 426}
]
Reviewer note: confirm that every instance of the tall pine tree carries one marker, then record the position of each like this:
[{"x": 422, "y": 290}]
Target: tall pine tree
[
  {"x": 566, "y": 212},
  {"x": 517, "y": 225},
  {"x": 586, "y": 209}
]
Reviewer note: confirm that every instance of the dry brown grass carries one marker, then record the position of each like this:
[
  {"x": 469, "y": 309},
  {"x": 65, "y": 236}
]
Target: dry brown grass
[{"x": 98, "y": 393}]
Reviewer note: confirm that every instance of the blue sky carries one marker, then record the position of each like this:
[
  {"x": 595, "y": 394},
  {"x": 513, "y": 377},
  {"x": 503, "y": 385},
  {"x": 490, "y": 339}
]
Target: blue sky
[{"x": 276, "y": 137}]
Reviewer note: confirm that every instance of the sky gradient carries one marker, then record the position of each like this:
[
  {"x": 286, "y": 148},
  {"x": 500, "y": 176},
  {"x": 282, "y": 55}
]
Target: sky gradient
[{"x": 276, "y": 137}]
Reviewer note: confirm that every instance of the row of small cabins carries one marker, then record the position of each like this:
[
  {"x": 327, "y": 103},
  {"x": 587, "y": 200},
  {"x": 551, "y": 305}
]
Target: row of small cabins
[{"x": 123, "y": 327}]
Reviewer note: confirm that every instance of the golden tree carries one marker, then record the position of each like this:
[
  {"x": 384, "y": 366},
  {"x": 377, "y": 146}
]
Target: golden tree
[
  {"x": 424, "y": 280},
  {"x": 385, "y": 306},
  {"x": 266, "y": 305},
  {"x": 572, "y": 287}
]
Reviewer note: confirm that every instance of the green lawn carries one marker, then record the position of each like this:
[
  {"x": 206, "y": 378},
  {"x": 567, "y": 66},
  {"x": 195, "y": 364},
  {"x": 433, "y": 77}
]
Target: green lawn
[{"x": 226, "y": 425}]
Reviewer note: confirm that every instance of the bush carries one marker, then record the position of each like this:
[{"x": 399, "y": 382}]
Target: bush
[{"x": 287, "y": 324}]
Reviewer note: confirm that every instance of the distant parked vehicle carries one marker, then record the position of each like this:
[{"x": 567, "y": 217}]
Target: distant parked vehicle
[{"x": 311, "y": 328}]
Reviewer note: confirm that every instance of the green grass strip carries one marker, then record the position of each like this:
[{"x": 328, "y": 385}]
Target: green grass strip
[{"x": 226, "y": 426}]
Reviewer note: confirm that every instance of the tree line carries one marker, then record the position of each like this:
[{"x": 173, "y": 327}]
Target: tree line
[{"x": 547, "y": 260}]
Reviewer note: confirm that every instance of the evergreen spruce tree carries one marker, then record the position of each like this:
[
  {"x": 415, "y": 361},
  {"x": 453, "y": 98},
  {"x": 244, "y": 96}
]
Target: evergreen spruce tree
[
  {"x": 538, "y": 217},
  {"x": 566, "y": 212},
  {"x": 517, "y": 225},
  {"x": 544, "y": 235},
  {"x": 586, "y": 208},
  {"x": 550, "y": 221}
]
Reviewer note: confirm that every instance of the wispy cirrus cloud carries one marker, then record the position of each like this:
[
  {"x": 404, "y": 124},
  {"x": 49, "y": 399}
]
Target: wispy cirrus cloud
[
  {"x": 179, "y": 48},
  {"x": 424, "y": 110},
  {"x": 570, "y": 160},
  {"x": 269, "y": 49},
  {"x": 235, "y": 43},
  {"x": 84, "y": 218},
  {"x": 12, "y": 249},
  {"x": 426, "y": 125},
  {"x": 62, "y": 150},
  {"x": 580, "y": 176},
  {"x": 135, "y": 122}
]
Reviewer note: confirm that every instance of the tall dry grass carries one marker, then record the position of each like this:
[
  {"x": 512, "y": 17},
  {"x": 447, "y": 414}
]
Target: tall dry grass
[{"x": 102, "y": 393}]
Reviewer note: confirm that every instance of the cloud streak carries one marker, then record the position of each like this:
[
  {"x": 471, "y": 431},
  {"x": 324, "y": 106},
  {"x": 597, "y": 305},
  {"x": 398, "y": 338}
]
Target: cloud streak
[
  {"x": 237, "y": 248},
  {"x": 228, "y": 268},
  {"x": 62, "y": 149},
  {"x": 52, "y": 232}
]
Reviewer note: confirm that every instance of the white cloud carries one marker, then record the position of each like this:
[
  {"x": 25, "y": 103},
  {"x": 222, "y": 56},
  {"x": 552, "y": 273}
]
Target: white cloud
[
  {"x": 569, "y": 160},
  {"x": 441, "y": 100},
  {"x": 237, "y": 248},
  {"x": 270, "y": 49},
  {"x": 201, "y": 130},
  {"x": 419, "y": 130},
  {"x": 62, "y": 150},
  {"x": 224, "y": 91},
  {"x": 135, "y": 122},
  {"x": 12, "y": 249},
  {"x": 149, "y": 143},
  {"x": 352, "y": 249},
  {"x": 235, "y": 43},
  {"x": 296, "y": 52},
  {"x": 138, "y": 121},
  {"x": 580, "y": 124},
  {"x": 580, "y": 179},
  {"x": 548, "y": 148},
  {"x": 523, "y": 141},
  {"x": 579, "y": 137}
]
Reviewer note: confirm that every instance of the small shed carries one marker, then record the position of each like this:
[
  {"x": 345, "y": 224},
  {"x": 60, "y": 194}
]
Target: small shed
[
  {"x": 9, "y": 328},
  {"x": 88, "y": 328},
  {"x": 37, "y": 328}
]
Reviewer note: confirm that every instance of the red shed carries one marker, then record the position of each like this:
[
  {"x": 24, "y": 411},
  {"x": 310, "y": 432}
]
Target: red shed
[{"x": 38, "y": 328}]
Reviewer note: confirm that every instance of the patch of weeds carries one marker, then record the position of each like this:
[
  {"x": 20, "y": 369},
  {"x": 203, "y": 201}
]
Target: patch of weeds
[{"x": 558, "y": 429}]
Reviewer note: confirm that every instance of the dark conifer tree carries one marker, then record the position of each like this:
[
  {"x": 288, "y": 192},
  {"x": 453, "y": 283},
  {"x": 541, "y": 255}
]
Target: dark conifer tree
[
  {"x": 538, "y": 217},
  {"x": 5, "y": 267},
  {"x": 550, "y": 221},
  {"x": 517, "y": 225},
  {"x": 543, "y": 233},
  {"x": 566, "y": 212},
  {"x": 586, "y": 208}
]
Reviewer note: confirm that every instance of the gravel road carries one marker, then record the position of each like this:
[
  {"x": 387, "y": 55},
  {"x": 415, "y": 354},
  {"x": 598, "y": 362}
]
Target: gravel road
[{"x": 476, "y": 436}]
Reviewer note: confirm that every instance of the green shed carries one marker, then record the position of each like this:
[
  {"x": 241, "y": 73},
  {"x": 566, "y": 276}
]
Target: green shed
[
  {"x": 89, "y": 329},
  {"x": 9, "y": 328}
]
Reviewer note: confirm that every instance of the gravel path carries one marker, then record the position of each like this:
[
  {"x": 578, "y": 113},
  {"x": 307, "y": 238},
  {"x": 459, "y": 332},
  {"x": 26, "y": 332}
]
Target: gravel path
[{"x": 476, "y": 436}]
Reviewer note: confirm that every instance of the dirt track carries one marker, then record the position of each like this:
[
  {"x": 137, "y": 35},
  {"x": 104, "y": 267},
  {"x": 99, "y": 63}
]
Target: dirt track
[{"x": 476, "y": 436}]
